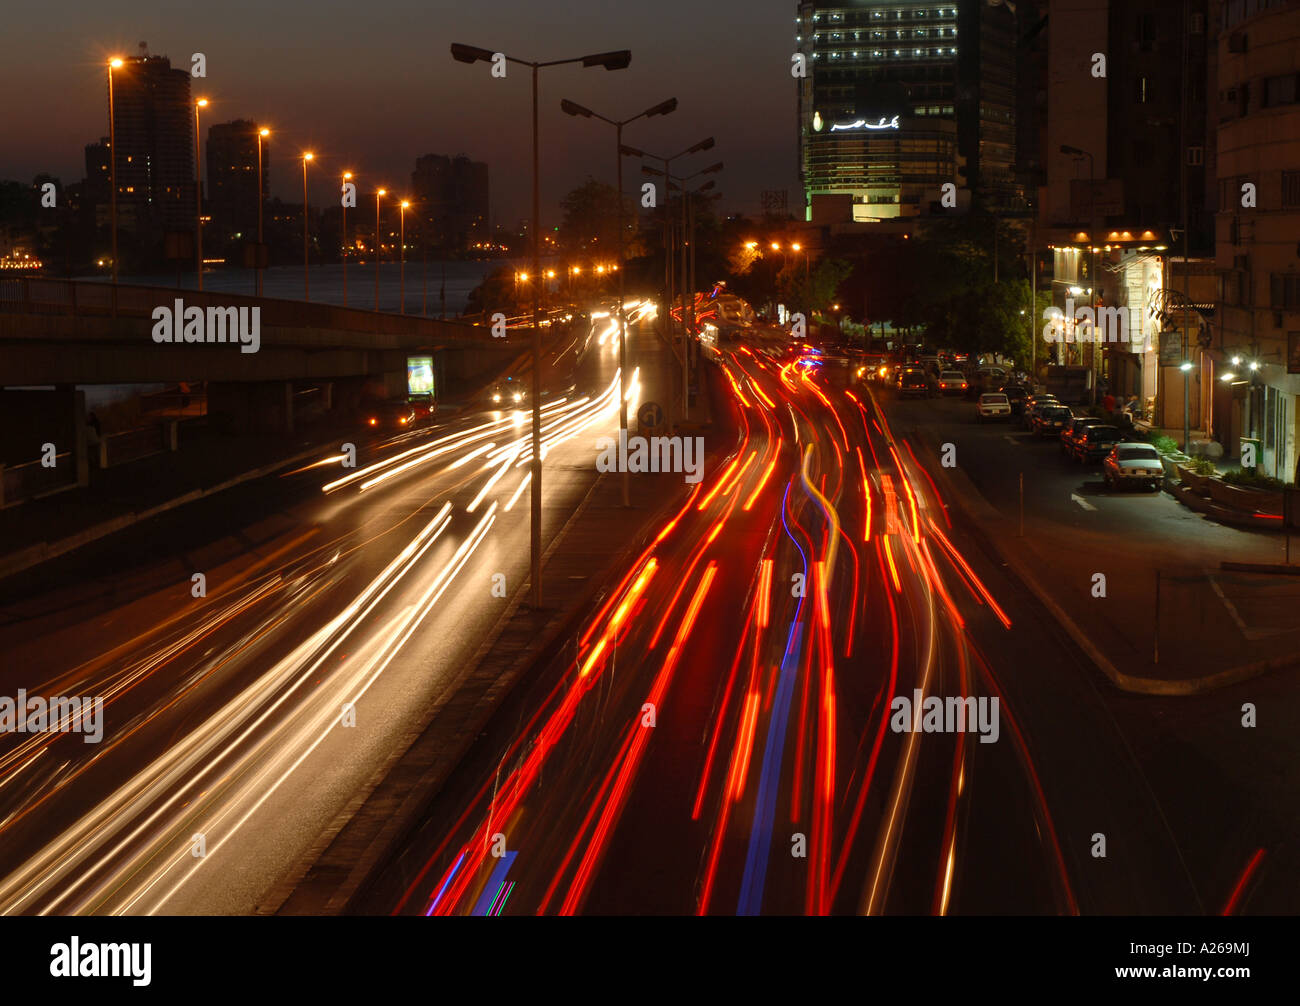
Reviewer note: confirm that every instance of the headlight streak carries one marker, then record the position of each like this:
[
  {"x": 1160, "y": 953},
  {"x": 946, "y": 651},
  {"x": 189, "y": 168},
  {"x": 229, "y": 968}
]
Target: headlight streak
[
  {"x": 326, "y": 719},
  {"x": 74, "y": 845}
]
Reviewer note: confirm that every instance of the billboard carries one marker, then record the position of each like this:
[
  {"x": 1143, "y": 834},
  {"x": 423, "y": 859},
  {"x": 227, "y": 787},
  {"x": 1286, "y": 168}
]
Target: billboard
[{"x": 419, "y": 375}]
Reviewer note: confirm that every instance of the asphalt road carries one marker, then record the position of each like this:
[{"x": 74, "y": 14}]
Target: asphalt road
[
  {"x": 1226, "y": 790},
  {"x": 333, "y": 596},
  {"x": 726, "y": 738}
]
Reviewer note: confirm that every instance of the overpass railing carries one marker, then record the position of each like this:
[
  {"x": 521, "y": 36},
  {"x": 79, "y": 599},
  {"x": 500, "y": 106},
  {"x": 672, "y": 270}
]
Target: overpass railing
[{"x": 88, "y": 298}]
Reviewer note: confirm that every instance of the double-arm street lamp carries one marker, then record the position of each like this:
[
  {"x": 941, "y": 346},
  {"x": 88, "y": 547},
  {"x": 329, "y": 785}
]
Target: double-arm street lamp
[
  {"x": 618, "y": 60},
  {"x": 705, "y": 144},
  {"x": 688, "y": 292},
  {"x": 663, "y": 108}
]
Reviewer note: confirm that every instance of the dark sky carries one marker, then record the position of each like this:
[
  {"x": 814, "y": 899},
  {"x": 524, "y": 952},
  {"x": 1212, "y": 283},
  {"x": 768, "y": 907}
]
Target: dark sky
[{"x": 370, "y": 86}]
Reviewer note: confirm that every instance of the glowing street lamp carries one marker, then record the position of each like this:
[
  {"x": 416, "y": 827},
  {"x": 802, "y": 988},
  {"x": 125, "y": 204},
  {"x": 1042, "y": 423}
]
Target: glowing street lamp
[
  {"x": 262, "y": 134},
  {"x": 306, "y": 282},
  {"x": 347, "y": 177},
  {"x": 378, "y": 194},
  {"x": 113, "y": 64},
  {"x": 198, "y": 194},
  {"x": 401, "y": 240}
]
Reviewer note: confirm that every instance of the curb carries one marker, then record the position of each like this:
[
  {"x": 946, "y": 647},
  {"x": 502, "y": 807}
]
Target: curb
[{"x": 1125, "y": 682}]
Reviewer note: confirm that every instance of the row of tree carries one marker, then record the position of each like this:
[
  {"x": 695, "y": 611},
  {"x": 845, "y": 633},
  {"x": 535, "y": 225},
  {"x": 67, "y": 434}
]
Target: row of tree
[{"x": 940, "y": 280}]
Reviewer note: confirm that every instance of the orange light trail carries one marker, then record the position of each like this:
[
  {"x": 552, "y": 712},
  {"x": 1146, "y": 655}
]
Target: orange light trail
[{"x": 893, "y": 570}]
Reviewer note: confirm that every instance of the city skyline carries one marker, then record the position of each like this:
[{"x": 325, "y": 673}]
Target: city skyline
[{"x": 377, "y": 132}]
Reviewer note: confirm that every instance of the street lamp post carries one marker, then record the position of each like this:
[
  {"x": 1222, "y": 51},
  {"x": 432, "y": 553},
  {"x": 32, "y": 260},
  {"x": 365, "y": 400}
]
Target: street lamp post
[
  {"x": 610, "y": 61},
  {"x": 198, "y": 194},
  {"x": 347, "y": 176},
  {"x": 378, "y": 194},
  {"x": 705, "y": 144},
  {"x": 1092, "y": 260},
  {"x": 688, "y": 312},
  {"x": 262, "y": 134},
  {"x": 306, "y": 281},
  {"x": 663, "y": 108},
  {"x": 113, "y": 64},
  {"x": 401, "y": 241}
]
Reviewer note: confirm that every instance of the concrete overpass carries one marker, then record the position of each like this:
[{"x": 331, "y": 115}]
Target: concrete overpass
[
  {"x": 60, "y": 332},
  {"x": 69, "y": 333}
]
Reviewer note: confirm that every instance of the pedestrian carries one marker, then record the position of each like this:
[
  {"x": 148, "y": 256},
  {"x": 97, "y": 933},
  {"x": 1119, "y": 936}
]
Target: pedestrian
[{"x": 1108, "y": 403}]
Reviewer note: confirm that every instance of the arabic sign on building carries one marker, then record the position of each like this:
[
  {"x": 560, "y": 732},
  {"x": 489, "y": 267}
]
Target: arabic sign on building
[{"x": 883, "y": 123}]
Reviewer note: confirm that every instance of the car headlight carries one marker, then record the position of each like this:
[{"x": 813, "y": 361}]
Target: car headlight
[
  {"x": 496, "y": 398},
  {"x": 518, "y": 397}
]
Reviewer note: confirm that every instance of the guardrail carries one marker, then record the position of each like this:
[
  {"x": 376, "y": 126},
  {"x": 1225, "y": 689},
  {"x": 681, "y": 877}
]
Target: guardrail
[
  {"x": 132, "y": 445},
  {"x": 89, "y": 298},
  {"x": 19, "y": 483}
]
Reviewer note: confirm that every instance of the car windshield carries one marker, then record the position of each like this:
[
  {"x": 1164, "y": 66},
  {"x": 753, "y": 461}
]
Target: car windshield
[
  {"x": 952, "y": 375},
  {"x": 1056, "y": 412},
  {"x": 1139, "y": 454},
  {"x": 1103, "y": 433},
  {"x": 993, "y": 399}
]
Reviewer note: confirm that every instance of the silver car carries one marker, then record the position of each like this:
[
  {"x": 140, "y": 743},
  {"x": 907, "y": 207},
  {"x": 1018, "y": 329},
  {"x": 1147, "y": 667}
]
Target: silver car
[{"x": 1133, "y": 464}]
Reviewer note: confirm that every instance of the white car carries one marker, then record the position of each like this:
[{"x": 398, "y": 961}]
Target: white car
[
  {"x": 994, "y": 405},
  {"x": 1133, "y": 464}
]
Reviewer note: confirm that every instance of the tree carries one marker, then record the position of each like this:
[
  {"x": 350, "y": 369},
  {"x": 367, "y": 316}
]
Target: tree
[
  {"x": 956, "y": 298},
  {"x": 590, "y": 224}
]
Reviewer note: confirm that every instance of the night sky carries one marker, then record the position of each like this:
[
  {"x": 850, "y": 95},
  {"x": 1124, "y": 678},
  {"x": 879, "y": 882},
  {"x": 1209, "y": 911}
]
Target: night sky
[{"x": 369, "y": 86}]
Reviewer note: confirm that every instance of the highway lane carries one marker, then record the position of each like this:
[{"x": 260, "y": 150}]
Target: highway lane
[
  {"x": 331, "y": 593},
  {"x": 725, "y": 740}
]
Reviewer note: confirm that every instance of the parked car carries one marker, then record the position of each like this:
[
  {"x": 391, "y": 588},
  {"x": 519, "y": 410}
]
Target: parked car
[
  {"x": 914, "y": 384},
  {"x": 1074, "y": 429},
  {"x": 391, "y": 415},
  {"x": 1050, "y": 420},
  {"x": 1095, "y": 443},
  {"x": 1133, "y": 464},
  {"x": 952, "y": 382},
  {"x": 1032, "y": 404},
  {"x": 994, "y": 405}
]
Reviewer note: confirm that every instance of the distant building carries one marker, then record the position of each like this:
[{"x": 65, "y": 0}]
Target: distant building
[
  {"x": 154, "y": 128},
  {"x": 1254, "y": 364},
  {"x": 451, "y": 201},
  {"x": 231, "y": 182},
  {"x": 902, "y": 98},
  {"x": 1124, "y": 166}
]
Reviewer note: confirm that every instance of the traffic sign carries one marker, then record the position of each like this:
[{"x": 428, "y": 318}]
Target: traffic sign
[{"x": 650, "y": 416}]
